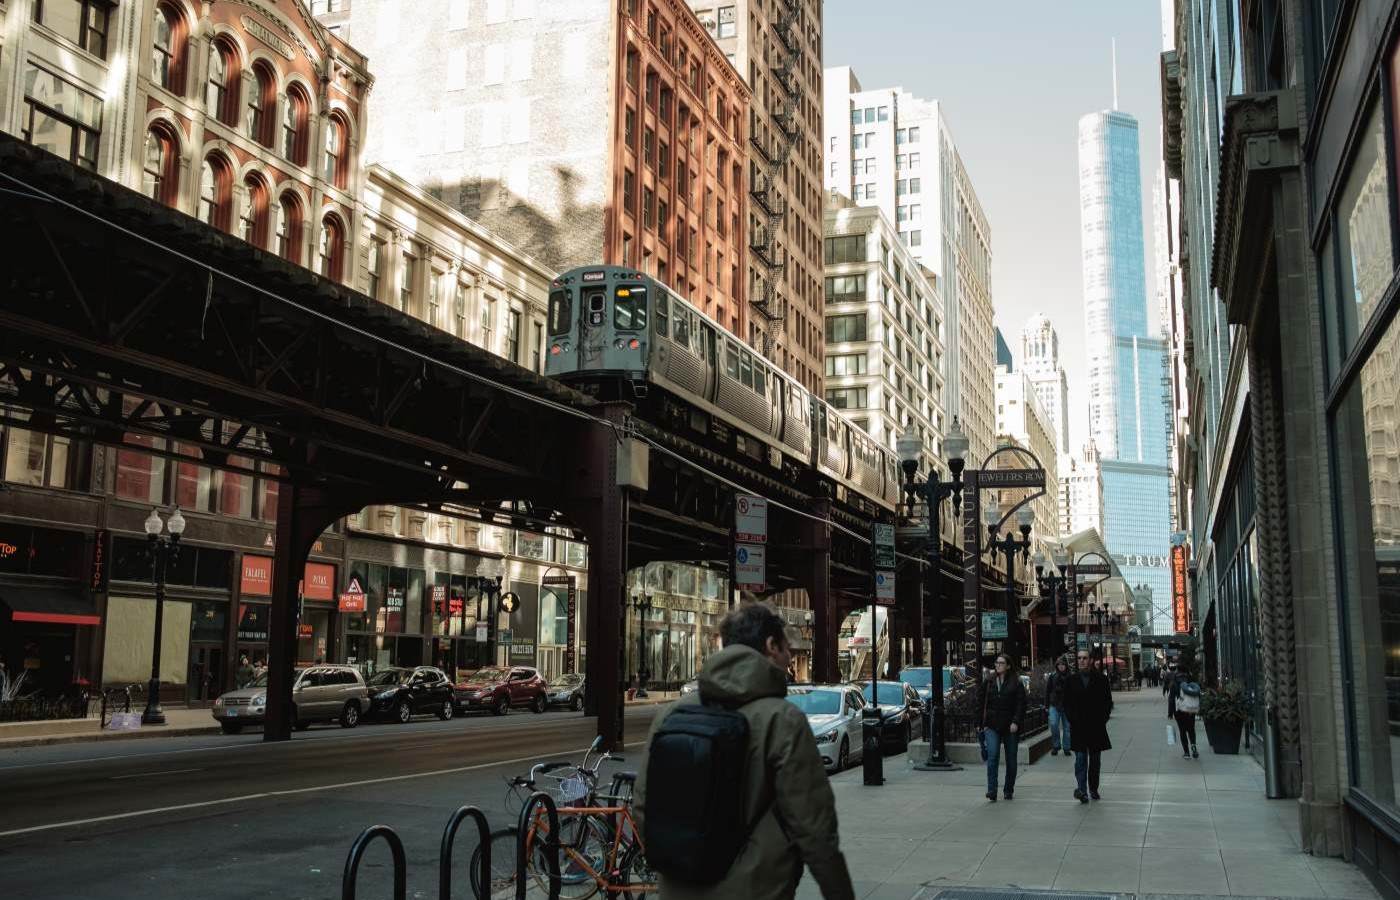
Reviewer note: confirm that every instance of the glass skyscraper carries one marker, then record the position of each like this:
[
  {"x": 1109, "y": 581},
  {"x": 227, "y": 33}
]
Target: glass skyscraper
[{"x": 1129, "y": 409}]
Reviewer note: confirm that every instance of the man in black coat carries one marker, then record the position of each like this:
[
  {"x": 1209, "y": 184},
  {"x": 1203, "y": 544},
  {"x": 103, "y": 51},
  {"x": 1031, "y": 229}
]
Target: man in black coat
[{"x": 1088, "y": 704}]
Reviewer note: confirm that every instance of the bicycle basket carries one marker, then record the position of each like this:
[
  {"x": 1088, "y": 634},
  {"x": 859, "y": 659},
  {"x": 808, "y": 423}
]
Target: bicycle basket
[{"x": 566, "y": 788}]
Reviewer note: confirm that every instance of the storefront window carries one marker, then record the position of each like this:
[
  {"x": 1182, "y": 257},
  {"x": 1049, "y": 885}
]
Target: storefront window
[
  {"x": 209, "y": 621},
  {"x": 34, "y": 458},
  {"x": 1366, "y": 253},
  {"x": 192, "y": 482},
  {"x": 253, "y": 621},
  {"x": 531, "y": 546},
  {"x": 554, "y": 615},
  {"x": 25, "y": 550},
  {"x": 236, "y": 490},
  {"x": 1366, "y": 429}
]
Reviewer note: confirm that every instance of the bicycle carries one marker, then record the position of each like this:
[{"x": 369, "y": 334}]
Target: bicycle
[{"x": 600, "y": 847}]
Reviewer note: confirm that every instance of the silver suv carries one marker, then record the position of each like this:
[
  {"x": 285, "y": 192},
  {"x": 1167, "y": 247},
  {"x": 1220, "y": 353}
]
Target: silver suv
[{"x": 319, "y": 694}]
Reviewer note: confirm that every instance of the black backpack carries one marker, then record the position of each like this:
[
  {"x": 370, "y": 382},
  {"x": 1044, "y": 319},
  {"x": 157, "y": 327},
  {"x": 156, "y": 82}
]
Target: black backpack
[{"x": 695, "y": 786}]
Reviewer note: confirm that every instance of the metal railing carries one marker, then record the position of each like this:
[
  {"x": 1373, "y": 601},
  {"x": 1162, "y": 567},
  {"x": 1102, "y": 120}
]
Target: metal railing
[
  {"x": 962, "y": 727},
  {"x": 482, "y": 885},
  {"x": 550, "y": 844}
]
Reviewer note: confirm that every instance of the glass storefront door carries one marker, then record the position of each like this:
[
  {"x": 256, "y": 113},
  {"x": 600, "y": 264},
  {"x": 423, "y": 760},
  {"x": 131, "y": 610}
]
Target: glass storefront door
[{"x": 206, "y": 676}]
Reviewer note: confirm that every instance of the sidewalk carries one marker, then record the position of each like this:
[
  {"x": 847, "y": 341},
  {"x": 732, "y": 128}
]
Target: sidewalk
[
  {"x": 178, "y": 721},
  {"x": 1165, "y": 826}
]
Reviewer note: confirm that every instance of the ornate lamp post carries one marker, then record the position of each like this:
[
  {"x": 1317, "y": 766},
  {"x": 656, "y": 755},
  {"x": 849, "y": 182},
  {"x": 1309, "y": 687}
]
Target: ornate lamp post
[
  {"x": 1009, "y": 546},
  {"x": 909, "y": 448},
  {"x": 163, "y": 552},
  {"x": 1054, "y": 587},
  {"x": 490, "y": 572},
  {"x": 642, "y": 604}
]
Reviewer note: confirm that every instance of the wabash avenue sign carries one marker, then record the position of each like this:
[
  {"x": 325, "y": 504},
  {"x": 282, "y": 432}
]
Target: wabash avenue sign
[{"x": 1181, "y": 609}]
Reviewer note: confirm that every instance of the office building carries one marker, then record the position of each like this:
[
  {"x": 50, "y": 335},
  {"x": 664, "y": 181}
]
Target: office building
[
  {"x": 1040, "y": 361},
  {"x": 1022, "y": 419},
  {"x": 1081, "y": 491}
]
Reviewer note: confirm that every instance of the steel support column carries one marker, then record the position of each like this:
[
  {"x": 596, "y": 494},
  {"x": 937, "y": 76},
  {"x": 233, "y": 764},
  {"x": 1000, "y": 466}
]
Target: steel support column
[{"x": 824, "y": 625}]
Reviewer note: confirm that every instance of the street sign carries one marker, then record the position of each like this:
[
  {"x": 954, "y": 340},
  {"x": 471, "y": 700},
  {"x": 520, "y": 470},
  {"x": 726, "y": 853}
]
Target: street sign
[
  {"x": 750, "y": 519},
  {"x": 353, "y": 598},
  {"x": 884, "y": 588},
  {"x": 882, "y": 541},
  {"x": 1011, "y": 478},
  {"x": 1092, "y": 569},
  {"x": 503, "y": 637},
  {"x": 749, "y": 569},
  {"x": 993, "y": 625},
  {"x": 481, "y": 634}
]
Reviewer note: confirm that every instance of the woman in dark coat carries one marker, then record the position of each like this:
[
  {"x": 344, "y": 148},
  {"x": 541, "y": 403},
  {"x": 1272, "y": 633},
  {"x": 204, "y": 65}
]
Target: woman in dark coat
[
  {"x": 1088, "y": 704},
  {"x": 1003, "y": 706}
]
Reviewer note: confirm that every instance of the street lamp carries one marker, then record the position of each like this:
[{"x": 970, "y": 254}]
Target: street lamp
[
  {"x": 1009, "y": 546},
  {"x": 163, "y": 552},
  {"x": 642, "y": 604},
  {"x": 490, "y": 572},
  {"x": 910, "y": 448},
  {"x": 1053, "y": 586}
]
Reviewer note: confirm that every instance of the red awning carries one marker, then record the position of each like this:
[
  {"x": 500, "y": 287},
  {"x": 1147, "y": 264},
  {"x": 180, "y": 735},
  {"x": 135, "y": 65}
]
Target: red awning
[{"x": 54, "y": 605}]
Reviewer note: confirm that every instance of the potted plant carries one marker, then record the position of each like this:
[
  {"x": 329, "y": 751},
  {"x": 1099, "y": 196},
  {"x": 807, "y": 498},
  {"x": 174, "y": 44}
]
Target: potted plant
[{"x": 1225, "y": 710}]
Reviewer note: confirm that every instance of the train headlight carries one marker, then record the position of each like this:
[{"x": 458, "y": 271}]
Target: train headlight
[{"x": 619, "y": 343}]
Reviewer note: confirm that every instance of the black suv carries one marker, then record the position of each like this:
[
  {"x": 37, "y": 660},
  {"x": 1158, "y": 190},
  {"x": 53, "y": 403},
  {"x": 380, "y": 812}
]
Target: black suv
[{"x": 397, "y": 693}]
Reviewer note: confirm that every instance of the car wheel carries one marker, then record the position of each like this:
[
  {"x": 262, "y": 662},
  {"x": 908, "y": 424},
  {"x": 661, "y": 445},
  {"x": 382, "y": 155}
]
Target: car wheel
[
  {"x": 576, "y": 703},
  {"x": 539, "y": 704},
  {"x": 350, "y": 715},
  {"x": 445, "y": 711},
  {"x": 502, "y": 704},
  {"x": 231, "y": 727},
  {"x": 843, "y": 756},
  {"x": 403, "y": 712}
]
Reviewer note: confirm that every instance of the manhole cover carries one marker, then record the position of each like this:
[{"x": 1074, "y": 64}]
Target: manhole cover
[{"x": 971, "y": 893}]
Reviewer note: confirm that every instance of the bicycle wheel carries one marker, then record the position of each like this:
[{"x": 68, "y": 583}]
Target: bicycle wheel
[
  {"x": 634, "y": 872},
  {"x": 503, "y": 841},
  {"x": 582, "y": 857}
]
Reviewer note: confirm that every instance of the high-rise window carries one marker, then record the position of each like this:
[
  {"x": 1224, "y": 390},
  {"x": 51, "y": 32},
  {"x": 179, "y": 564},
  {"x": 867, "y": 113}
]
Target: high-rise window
[
  {"x": 289, "y": 228},
  {"x": 61, "y": 118},
  {"x": 513, "y": 336},
  {"x": 84, "y": 22},
  {"x": 222, "y": 83},
  {"x": 488, "y": 323},
  {"x": 434, "y": 297},
  {"x": 459, "y": 310},
  {"x": 375, "y": 265},
  {"x": 845, "y": 328},
  {"x": 407, "y": 275}
]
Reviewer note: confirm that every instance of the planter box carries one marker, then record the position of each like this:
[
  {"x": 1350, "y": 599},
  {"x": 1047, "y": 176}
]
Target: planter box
[{"x": 1224, "y": 737}]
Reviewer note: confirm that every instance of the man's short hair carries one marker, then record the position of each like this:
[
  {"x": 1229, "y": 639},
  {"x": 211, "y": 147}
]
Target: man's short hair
[{"x": 752, "y": 624}]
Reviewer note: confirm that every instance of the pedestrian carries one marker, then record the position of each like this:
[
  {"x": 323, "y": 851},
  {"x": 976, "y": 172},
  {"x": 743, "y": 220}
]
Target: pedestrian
[
  {"x": 786, "y": 807},
  {"x": 1183, "y": 703},
  {"x": 1003, "y": 705},
  {"x": 245, "y": 671},
  {"x": 1088, "y": 704},
  {"x": 1056, "y": 682},
  {"x": 1167, "y": 680}
]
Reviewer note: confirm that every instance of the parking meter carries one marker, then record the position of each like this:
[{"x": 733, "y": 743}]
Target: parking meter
[{"x": 872, "y": 759}]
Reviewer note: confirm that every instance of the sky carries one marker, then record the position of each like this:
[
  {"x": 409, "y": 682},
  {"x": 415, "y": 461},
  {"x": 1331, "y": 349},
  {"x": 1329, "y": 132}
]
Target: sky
[{"x": 1015, "y": 76}]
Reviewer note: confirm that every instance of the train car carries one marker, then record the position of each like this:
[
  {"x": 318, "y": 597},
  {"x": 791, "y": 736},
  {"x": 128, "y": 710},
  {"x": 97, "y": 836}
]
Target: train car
[{"x": 620, "y": 333}]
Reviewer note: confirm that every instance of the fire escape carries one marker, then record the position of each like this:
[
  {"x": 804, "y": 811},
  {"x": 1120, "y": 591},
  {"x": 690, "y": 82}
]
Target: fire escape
[{"x": 774, "y": 146}]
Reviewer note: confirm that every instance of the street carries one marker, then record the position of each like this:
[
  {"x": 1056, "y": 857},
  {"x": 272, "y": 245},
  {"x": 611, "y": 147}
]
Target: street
[{"x": 233, "y": 817}]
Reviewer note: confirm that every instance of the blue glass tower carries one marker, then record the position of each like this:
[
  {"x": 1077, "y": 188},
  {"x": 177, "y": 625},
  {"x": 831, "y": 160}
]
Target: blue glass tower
[{"x": 1129, "y": 409}]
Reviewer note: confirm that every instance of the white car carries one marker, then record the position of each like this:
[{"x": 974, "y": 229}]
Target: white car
[{"x": 834, "y": 712}]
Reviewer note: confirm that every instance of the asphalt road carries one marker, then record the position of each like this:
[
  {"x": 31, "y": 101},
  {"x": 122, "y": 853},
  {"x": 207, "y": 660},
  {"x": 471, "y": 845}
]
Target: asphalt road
[{"x": 209, "y": 817}]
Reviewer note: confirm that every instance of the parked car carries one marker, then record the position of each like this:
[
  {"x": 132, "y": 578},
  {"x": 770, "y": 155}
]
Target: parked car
[
  {"x": 901, "y": 712},
  {"x": 834, "y": 712},
  {"x": 398, "y": 693},
  {"x": 500, "y": 688},
  {"x": 319, "y": 694},
  {"x": 566, "y": 690}
]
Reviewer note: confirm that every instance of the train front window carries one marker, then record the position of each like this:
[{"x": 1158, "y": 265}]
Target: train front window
[
  {"x": 630, "y": 309},
  {"x": 561, "y": 312}
]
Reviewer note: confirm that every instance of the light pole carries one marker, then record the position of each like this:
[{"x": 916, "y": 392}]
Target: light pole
[
  {"x": 163, "y": 551},
  {"x": 909, "y": 448},
  {"x": 642, "y": 604},
  {"x": 1009, "y": 546},
  {"x": 1053, "y": 586},
  {"x": 490, "y": 572}
]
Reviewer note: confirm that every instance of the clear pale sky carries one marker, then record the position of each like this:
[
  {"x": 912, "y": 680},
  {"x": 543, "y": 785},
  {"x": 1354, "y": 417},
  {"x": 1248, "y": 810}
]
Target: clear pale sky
[{"x": 1015, "y": 76}]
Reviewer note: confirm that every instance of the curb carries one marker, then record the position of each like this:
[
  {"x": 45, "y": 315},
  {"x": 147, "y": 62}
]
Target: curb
[{"x": 89, "y": 738}]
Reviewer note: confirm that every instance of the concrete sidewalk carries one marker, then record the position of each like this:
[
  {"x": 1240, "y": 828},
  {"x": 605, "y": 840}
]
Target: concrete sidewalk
[
  {"x": 178, "y": 721},
  {"x": 1166, "y": 825}
]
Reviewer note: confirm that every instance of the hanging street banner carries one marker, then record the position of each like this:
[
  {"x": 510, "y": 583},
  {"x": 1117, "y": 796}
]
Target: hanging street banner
[
  {"x": 352, "y": 599},
  {"x": 1181, "y": 609},
  {"x": 750, "y": 519}
]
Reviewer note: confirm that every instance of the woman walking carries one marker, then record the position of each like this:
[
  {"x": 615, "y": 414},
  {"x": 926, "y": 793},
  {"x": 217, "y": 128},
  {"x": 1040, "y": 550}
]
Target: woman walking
[
  {"x": 1003, "y": 710},
  {"x": 1183, "y": 702},
  {"x": 1055, "y": 685}
]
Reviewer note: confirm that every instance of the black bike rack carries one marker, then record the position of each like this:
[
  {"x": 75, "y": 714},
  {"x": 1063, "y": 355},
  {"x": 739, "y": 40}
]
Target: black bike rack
[
  {"x": 357, "y": 852},
  {"x": 551, "y": 843},
  {"x": 449, "y": 835}
]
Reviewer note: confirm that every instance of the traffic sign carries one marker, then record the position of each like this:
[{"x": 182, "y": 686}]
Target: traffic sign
[
  {"x": 750, "y": 519},
  {"x": 1011, "y": 478},
  {"x": 884, "y": 588},
  {"x": 993, "y": 625},
  {"x": 882, "y": 540},
  {"x": 749, "y": 568}
]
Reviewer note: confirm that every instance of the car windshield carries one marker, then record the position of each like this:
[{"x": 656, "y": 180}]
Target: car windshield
[
  {"x": 563, "y": 681},
  {"x": 816, "y": 703},
  {"x": 890, "y": 692},
  {"x": 391, "y": 676},
  {"x": 919, "y": 678},
  {"x": 481, "y": 676}
]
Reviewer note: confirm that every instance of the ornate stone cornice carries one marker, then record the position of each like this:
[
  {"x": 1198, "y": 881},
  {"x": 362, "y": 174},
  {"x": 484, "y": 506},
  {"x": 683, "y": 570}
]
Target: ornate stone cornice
[
  {"x": 1171, "y": 113},
  {"x": 1259, "y": 145}
]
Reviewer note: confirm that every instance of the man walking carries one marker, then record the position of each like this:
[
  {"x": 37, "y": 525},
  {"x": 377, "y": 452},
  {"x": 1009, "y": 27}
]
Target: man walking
[
  {"x": 1088, "y": 703},
  {"x": 788, "y": 809},
  {"x": 1055, "y": 684}
]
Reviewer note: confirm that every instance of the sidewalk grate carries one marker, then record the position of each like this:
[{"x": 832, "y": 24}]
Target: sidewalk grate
[{"x": 972, "y": 893}]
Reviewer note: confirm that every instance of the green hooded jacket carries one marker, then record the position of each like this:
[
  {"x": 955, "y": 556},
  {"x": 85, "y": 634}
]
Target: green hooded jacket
[{"x": 791, "y": 812}]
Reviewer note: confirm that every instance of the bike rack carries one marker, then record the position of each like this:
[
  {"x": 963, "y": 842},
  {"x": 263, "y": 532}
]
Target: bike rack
[
  {"x": 449, "y": 835},
  {"x": 551, "y": 842},
  {"x": 357, "y": 852}
]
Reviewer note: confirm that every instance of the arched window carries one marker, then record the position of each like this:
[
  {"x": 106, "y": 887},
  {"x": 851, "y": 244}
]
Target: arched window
[
  {"x": 160, "y": 171},
  {"x": 252, "y": 221},
  {"x": 295, "y": 118},
  {"x": 289, "y": 229},
  {"x": 214, "y": 193},
  {"x": 333, "y": 169},
  {"x": 168, "y": 49},
  {"x": 262, "y": 105},
  {"x": 221, "y": 91},
  {"x": 329, "y": 252}
]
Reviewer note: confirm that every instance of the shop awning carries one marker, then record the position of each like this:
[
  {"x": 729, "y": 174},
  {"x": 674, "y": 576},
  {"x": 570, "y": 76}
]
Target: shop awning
[{"x": 61, "y": 606}]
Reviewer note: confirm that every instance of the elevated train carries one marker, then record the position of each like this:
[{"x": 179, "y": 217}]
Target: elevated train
[{"x": 620, "y": 333}]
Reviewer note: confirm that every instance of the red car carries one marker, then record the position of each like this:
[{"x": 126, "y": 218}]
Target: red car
[{"x": 498, "y": 689}]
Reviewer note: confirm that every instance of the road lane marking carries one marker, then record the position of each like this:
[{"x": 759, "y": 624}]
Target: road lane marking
[
  {"x": 289, "y": 792},
  {"x": 153, "y": 774}
]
